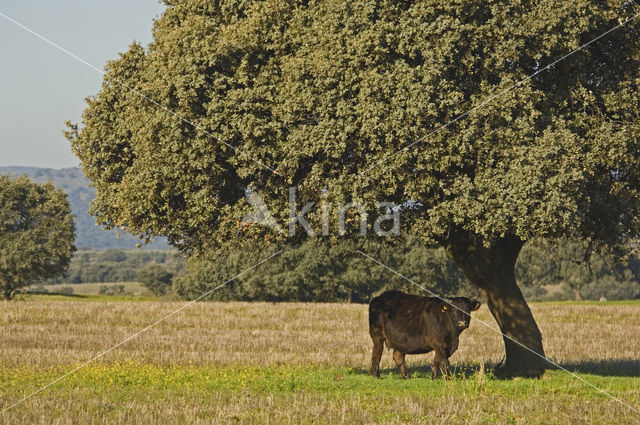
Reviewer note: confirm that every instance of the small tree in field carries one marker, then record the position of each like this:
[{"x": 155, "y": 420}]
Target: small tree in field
[
  {"x": 36, "y": 233},
  {"x": 325, "y": 93},
  {"x": 156, "y": 279}
]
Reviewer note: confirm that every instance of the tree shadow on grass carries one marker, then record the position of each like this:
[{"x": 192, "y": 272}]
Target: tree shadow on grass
[{"x": 608, "y": 367}]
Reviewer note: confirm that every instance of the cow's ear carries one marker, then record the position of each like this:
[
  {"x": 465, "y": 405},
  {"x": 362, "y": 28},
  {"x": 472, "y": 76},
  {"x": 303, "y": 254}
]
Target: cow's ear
[
  {"x": 475, "y": 305},
  {"x": 444, "y": 308}
]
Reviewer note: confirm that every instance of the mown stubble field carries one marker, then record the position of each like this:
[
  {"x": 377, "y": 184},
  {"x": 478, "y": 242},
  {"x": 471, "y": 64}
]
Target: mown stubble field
[{"x": 299, "y": 363}]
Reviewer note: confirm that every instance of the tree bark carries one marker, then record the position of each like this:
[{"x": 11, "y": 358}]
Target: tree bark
[
  {"x": 578, "y": 295},
  {"x": 492, "y": 269}
]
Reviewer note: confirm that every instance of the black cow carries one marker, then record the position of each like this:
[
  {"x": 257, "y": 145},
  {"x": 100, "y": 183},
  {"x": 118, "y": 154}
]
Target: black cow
[{"x": 411, "y": 324}]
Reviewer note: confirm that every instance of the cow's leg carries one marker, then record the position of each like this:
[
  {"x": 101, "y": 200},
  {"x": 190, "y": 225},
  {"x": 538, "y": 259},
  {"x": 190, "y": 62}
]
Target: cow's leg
[
  {"x": 441, "y": 362},
  {"x": 398, "y": 357},
  {"x": 378, "y": 348},
  {"x": 444, "y": 367},
  {"x": 435, "y": 366}
]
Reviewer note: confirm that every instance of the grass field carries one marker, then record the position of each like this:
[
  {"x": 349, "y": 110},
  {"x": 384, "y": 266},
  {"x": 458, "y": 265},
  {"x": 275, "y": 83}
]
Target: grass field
[{"x": 299, "y": 363}]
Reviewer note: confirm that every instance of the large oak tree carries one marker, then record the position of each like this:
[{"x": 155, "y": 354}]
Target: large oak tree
[{"x": 321, "y": 91}]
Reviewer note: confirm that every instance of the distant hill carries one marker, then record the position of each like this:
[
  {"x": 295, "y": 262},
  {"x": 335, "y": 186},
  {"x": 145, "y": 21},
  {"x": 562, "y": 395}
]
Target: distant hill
[{"x": 76, "y": 186}]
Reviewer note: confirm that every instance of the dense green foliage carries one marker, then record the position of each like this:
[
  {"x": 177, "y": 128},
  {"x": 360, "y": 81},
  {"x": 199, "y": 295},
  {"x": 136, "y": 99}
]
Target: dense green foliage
[
  {"x": 156, "y": 279},
  {"x": 36, "y": 233}
]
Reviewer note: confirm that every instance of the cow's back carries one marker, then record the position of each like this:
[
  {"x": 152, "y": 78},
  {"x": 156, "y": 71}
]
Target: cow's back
[
  {"x": 389, "y": 304},
  {"x": 397, "y": 309}
]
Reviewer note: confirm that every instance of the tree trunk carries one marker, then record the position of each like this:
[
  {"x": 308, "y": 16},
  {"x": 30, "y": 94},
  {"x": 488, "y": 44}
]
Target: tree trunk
[
  {"x": 493, "y": 270},
  {"x": 578, "y": 295},
  {"x": 6, "y": 293}
]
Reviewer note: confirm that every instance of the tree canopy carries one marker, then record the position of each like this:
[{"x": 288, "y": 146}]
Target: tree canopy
[
  {"x": 36, "y": 233},
  {"x": 322, "y": 90}
]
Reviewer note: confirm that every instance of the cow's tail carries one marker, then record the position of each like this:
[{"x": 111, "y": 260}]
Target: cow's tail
[
  {"x": 374, "y": 314},
  {"x": 376, "y": 321}
]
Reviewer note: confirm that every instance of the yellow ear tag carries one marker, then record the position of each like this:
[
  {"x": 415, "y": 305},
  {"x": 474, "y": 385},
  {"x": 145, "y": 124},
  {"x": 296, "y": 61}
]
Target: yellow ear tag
[{"x": 444, "y": 308}]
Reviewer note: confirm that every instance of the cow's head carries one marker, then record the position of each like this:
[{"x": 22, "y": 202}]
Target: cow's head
[{"x": 461, "y": 311}]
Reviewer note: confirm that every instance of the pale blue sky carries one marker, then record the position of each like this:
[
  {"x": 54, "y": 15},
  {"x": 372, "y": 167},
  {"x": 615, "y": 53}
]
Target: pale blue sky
[{"x": 40, "y": 86}]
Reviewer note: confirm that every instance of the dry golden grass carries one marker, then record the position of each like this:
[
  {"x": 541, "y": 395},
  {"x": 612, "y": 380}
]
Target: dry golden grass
[
  {"x": 297, "y": 363},
  {"x": 53, "y": 333}
]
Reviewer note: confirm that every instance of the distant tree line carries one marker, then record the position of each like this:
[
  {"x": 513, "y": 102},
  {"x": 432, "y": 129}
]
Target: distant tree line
[
  {"x": 564, "y": 267},
  {"x": 318, "y": 271},
  {"x": 117, "y": 265}
]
